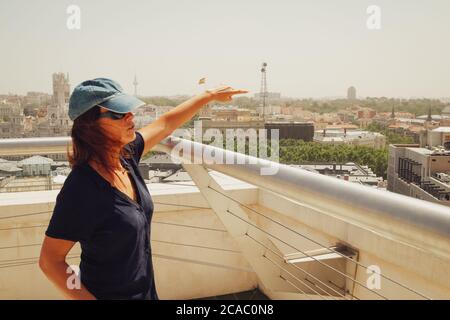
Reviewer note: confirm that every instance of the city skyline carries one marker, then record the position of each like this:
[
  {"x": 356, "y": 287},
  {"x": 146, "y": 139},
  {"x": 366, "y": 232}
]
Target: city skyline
[
  {"x": 312, "y": 50},
  {"x": 256, "y": 96}
]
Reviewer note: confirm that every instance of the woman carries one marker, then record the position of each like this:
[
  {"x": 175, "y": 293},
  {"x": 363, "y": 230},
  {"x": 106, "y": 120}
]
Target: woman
[{"x": 104, "y": 203}]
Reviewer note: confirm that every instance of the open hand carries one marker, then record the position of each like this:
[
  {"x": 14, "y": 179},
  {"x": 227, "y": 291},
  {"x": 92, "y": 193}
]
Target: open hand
[{"x": 224, "y": 93}]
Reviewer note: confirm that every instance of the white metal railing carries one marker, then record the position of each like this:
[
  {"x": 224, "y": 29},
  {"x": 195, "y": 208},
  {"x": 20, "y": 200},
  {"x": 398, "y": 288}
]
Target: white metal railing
[
  {"x": 334, "y": 194},
  {"x": 295, "y": 183}
]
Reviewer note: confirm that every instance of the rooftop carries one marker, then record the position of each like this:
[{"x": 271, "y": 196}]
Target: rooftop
[
  {"x": 442, "y": 129},
  {"x": 293, "y": 234},
  {"x": 423, "y": 151},
  {"x": 36, "y": 160},
  {"x": 9, "y": 167}
]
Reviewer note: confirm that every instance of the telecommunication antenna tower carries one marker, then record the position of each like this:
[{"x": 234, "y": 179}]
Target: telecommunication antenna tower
[
  {"x": 135, "y": 84},
  {"x": 263, "y": 92}
]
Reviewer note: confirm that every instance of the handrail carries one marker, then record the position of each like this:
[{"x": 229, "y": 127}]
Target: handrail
[
  {"x": 306, "y": 186},
  {"x": 33, "y": 146},
  {"x": 296, "y": 183}
]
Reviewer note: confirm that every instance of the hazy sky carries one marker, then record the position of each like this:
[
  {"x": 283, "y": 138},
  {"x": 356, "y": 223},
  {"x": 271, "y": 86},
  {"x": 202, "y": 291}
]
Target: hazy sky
[{"x": 313, "y": 48}]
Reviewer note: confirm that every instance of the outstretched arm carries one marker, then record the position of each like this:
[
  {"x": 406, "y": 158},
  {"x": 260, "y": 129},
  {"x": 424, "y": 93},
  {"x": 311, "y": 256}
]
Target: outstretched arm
[{"x": 154, "y": 132}]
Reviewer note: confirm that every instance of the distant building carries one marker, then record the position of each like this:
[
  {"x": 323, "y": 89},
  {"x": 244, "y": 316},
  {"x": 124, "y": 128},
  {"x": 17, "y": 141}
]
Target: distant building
[
  {"x": 224, "y": 114},
  {"x": 230, "y": 114},
  {"x": 36, "y": 166},
  {"x": 446, "y": 111},
  {"x": 291, "y": 130},
  {"x": 270, "y": 95},
  {"x": 349, "y": 171},
  {"x": 32, "y": 174},
  {"x": 61, "y": 89},
  {"x": 436, "y": 137},
  {"x": 11, "y": 119},
  {"x": 354, "y": 137},
  {"x": 434, "y": 117},
  {"x": 365, "y": 117},
  {"x": 8, "y": 169},
  {"x": 366, "y": 113},
  {"x": 158, "y": 163},
  {"x": 269, "y": 110},
  {"x": 58, "y": 122},
  {"x": 351, "y": 93},
  {"x": 222, "y": 126},
  {"x": 142, "y": 120},
  {"x": 37, "y": 99},
  {"x": 160, "y": 110},
  {"x": 206, "y": 111},
  {"x": 346, "y": 115},
  {"x": 287, "y": 130},
  {"x": 420, "y": 172}
]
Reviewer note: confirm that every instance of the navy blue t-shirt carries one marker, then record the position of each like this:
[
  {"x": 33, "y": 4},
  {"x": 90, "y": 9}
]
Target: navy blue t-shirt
[{"x": 113, "y": 230}]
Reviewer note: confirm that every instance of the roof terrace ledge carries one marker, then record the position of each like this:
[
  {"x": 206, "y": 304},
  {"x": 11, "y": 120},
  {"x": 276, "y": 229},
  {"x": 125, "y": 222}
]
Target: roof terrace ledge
[
  {"x": 350, "y": 200},
  {"x": 327, "y": 193}
]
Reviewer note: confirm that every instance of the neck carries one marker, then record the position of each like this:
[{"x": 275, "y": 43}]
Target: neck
[{"x": 113, "y": 157}]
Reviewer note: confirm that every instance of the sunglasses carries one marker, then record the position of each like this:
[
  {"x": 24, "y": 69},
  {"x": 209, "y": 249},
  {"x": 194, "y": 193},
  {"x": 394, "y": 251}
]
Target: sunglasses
[{"x": 112, "y": 115}]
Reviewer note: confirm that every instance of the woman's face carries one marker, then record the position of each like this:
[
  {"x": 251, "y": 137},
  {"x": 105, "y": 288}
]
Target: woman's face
[{"x": 121, "y": 130}]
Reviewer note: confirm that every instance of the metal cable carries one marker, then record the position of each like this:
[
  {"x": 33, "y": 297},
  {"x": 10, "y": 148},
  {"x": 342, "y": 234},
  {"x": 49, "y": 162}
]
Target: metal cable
[
  {"x": 34, "y": 261},
  {"x": 210, "y": 264},
  {"x": 323, "y": 246},
  {"x": 297, "y": 267},
  {"x": 25, "y": 215},
  {"x": 153, "y": 240},
  {"x": 281, "y": 268},
  {"x": 27, "y": 227},
  {"x": 20, "y": 246},
  {"x": 161, "y": 241},
  {"x": 189, "y": 226},
  {"x": 274, "y": 221},
  {"x": 157, "y": 202},
  {"x": 320, "y": 262},
  {"x": 292, "y": 284},
  {"x": 153, "y": 221},
  {"x": 346, "y": 291},
  {"x": 18, "y": 264},
  {"x": 7, "y": 261},
  {"x": 179, "y": 184},
  {"x": 196, "y": 246},
  {"x": 180, "y": 205}
]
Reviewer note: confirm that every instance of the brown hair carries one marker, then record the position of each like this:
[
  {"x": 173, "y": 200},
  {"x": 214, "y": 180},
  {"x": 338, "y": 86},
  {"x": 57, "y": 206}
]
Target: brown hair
[{"x": 90, "y": 142}]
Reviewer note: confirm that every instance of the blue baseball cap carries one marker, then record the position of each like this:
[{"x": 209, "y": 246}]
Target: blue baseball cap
[{"x": 101, "y": 91}]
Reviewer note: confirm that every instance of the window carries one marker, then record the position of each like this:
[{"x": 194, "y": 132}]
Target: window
[{"x": 447, "y": 145}]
